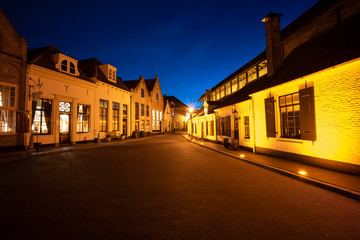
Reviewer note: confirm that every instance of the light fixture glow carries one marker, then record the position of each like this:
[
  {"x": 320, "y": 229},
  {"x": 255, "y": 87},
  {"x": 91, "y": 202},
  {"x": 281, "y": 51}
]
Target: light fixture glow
[
  {"x": 302, "y": 172},
  {"x": 202, "y": 143},
  {"x": 242, "y": 155}
]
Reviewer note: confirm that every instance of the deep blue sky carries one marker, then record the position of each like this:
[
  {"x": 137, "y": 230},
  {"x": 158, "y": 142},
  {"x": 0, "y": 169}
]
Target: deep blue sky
[{"x": 190, "y": 45}]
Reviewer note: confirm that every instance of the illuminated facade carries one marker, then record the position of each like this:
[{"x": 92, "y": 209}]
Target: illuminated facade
[
  {"x": 147, "y": 105},
  {"x": 74, "y": 101},
  {"x": 177, "y": 114},
  {"x": 13, "y": 115},
  {"x": 304, "y": 106}
]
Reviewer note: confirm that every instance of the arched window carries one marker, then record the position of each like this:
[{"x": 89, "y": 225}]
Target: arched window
[
  {"x": 64, "y": 65},
  {"x": 72, "y": 68}
]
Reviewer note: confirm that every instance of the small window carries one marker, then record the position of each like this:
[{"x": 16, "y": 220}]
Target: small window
[
  {"x": 72, "y": 68},
  {"x": 147, "y": 110},
  {"x": 234, "y": 85},
  {"x": 252, "y": 74},
  {"x": 157, "y": 96},
  {"x": 290, "y": 116},
  {"x": 142, "y": 110},
  {"x": 64, "y": 65},
  {"x": 142, "y": 93},
  {"x": 262, "y": 68},
  {"x": 246, "y": 127}
]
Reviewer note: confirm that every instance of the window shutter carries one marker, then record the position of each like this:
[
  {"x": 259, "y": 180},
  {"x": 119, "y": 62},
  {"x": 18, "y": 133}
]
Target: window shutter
[
  {"x": 270, "y": 117},
  {"x": 307, "y": 114}
]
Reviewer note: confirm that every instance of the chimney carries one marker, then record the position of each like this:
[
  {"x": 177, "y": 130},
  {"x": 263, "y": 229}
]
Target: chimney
[
  {"x": 208, "y": 94},
  {"x": 273, "y": 42},
  {"x": 156, "y": 78},
  {"x": 141, "y": 77}
]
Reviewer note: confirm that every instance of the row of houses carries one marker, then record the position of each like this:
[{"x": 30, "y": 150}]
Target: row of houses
[
  {"x": 49, "y": 97},
  {"x": 300, "y": 98}
]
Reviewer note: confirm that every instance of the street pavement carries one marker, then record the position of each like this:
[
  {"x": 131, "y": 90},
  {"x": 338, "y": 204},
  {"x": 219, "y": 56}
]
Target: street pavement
[{"x": 162, "y": 187}]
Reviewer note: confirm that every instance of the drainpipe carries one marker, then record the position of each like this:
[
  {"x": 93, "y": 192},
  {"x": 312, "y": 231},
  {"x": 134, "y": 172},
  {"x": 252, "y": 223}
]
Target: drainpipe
[{"x": 253, "y": 123}]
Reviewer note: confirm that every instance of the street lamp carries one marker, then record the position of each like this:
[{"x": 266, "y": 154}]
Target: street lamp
[{"x": 191, "y": 126}]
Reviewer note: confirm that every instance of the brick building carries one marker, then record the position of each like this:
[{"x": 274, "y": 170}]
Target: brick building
[
  {"x": 299, "y": 98},
  {"x": 13, "y": 114}
]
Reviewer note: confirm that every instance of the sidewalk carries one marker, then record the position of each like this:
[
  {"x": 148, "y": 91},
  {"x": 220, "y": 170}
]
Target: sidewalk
[{"x": 342, "y": 183}]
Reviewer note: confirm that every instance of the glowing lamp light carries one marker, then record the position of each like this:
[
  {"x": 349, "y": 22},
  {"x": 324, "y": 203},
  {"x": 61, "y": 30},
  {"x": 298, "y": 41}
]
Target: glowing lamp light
[
  {"x": 202, "y": 143},
  {"x": 302, "y": 172},
  {"x": 242, "y": 155},
  {"x": 191, "y": 109},
  {"x": 192, "y": 140}
]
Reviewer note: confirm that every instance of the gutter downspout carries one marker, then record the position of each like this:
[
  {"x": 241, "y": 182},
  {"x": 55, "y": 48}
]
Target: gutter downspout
[{"x": 253, "y": 123}]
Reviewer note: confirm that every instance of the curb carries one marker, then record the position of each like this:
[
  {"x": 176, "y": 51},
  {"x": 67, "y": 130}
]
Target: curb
[{"x": 313, "y": 181}]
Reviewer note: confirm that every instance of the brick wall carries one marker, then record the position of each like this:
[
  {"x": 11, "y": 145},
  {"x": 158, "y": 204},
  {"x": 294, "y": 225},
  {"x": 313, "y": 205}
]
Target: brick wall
[{"x": 327, "y": 19}]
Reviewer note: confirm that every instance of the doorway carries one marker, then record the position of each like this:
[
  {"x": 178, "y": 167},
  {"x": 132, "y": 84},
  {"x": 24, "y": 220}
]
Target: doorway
[
  {"x": 236, "y": 128},
  {"x": 65, "y": 122}
]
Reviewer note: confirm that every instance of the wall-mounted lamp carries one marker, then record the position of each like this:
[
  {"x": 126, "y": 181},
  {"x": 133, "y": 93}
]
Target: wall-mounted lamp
[{"x": 37, "y": 84}]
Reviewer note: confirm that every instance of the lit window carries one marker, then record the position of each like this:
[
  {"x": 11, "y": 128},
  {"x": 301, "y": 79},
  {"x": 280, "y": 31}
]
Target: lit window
[
  {"x": 290, "y": 115},
  {"x": 83, "y": 116},
  {"x": 247, "y": 127},
  {"x": 222, "y": 92},
  {"x": 252, "y": 75},
  {"x": 242, "y": 80},
  {"x": 115, "y": 116},
  {"x": 103, "y": 115},
  {"x": 234, "y": 85},
  {"x": 41, "y": 116},
  {"x": 262, "y": 68},
  {"x": 228, "y": 88}
]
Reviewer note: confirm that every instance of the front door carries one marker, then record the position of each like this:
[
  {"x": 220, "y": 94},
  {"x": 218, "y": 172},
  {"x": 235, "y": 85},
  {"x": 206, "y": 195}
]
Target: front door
[
  {"x": 65, "y": 122},
  {"x": 64, "y": 128},
  {"x": 236, "y": 128}
]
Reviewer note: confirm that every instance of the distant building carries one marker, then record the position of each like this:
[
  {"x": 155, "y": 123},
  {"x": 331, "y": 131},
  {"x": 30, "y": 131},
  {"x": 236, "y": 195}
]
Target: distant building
[
  {"x": 14, "y": 118},
  {"x": 177, "y": 112},
  {"x": 147, "y": 105},
  {"x": 299, "y": 99}
]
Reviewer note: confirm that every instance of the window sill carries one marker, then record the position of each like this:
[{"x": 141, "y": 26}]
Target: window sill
[{"x": 290, "y": 140}]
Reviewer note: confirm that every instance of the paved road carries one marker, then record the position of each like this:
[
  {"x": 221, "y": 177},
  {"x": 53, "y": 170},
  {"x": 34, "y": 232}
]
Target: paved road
[{"x": 164, "y": 188}]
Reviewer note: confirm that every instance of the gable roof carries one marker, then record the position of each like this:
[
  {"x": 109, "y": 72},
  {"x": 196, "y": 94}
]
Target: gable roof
[
  {"x": 131, "y": 83},
  {"x": 150, "y": 83},
  {"x": 91, "y": 69},
  {"x": 176, "y": 101}
]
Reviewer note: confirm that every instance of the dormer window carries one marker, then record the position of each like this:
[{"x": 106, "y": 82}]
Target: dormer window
[
  {"x": 64, "y": 65},
  {"x": 72, "y": 68}
]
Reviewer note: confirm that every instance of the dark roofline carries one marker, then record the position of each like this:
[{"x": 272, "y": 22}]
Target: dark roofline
[
  {"x": 309, "y": 15},
  {"x": 257, "y": 59}
]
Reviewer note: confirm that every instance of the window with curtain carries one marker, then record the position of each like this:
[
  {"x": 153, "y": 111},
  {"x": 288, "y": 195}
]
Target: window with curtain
[
  {"x": 115, "y": 116},
  {"x": 103, "y": 115},
  {"x": 83, "y": 116},
  {"x": 7, "y": 115},
  {"x": 41, "y": 116}
]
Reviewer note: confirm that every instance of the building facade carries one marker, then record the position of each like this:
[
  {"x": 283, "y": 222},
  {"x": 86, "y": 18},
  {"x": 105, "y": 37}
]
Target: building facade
[
  {"x": 147, "y": 105},
  {"x": 299, "y": 98},
  {"x": 13, "y": 115},
  {"x": 178, "y": 114},
  {"x": 70, "y": 103}
]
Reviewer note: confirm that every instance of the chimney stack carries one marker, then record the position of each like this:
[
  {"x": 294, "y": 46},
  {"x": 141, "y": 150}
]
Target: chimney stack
[{"x": 273, "y": 42}]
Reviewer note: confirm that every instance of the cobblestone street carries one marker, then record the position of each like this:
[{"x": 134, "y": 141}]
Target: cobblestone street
[{"x": 164, "y": 188}]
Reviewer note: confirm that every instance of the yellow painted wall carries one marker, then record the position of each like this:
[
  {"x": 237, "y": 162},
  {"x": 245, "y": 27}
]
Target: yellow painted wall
[{"x": 337, "y": 101}]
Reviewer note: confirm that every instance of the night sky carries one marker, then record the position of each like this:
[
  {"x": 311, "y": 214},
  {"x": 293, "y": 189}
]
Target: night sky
[{"x": 190, "y": 45}]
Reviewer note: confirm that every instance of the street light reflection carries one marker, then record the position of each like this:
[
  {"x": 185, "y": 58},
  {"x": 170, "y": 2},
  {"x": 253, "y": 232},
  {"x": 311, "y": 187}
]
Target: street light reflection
[
  {"x": 242, "y": 155},
  {"x": 302, "y": 172}
]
